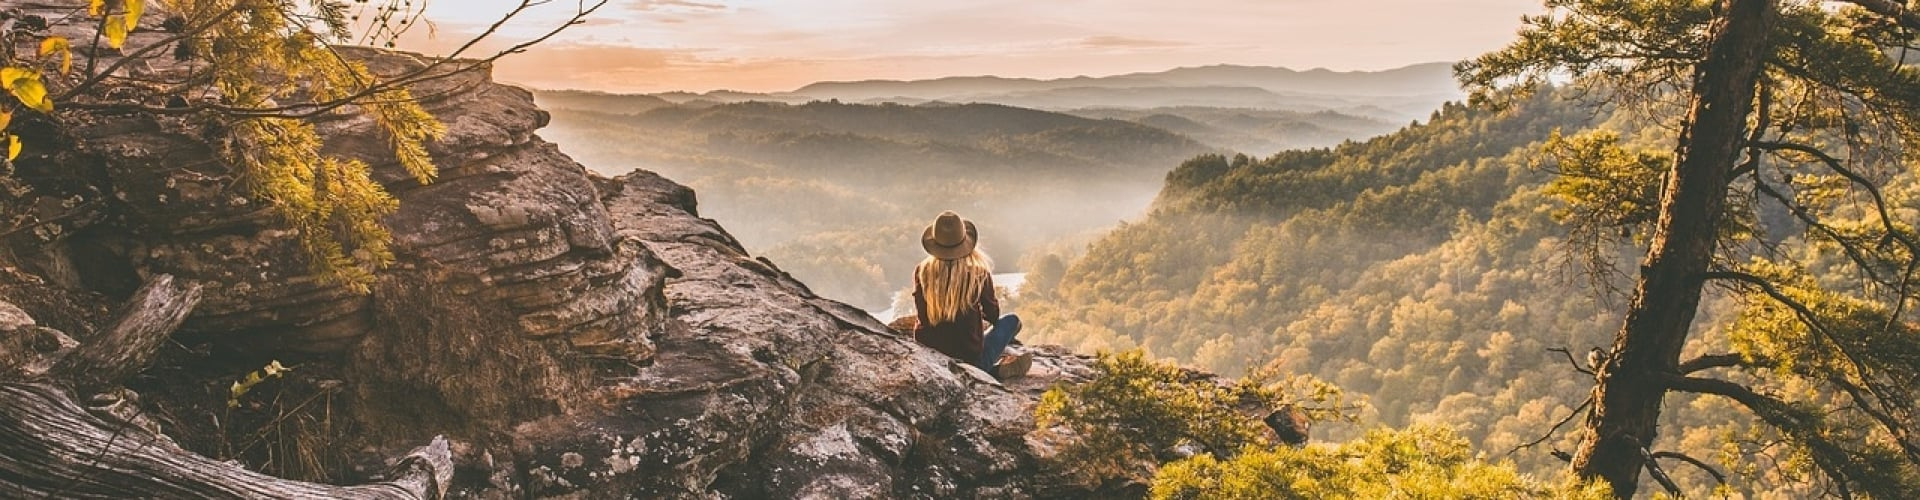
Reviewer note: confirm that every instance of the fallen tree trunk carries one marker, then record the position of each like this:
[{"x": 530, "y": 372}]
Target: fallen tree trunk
[
  {"x": 51, "y": 447},
  {"x": 127, "y": 345}
]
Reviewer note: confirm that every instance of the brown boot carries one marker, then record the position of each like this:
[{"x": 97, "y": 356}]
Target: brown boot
[{"x": 1013, "y": 366}]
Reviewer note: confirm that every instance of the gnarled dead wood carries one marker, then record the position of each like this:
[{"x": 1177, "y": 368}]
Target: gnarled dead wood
[
  {"x": 126, "y": 347},
  {"x": 51, "y": 447}
]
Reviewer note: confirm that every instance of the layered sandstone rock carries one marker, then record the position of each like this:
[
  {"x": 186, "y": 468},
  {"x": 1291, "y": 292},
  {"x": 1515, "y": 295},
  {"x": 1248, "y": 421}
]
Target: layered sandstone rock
[
  {"x": 763, "y": 390},
  {"x": 572, "y": 335}
]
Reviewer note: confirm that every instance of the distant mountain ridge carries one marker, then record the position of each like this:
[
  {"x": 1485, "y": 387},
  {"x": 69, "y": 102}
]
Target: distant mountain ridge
[
  {"x": 1395, "y": 95},
  {"x": 852, "y": 184},
  {"x": 1418, "y": 79}
]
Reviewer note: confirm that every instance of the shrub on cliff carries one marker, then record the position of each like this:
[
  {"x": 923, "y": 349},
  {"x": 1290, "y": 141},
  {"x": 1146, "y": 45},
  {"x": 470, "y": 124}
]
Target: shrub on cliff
[
  {"x": 1193, "y": 436},
  {"x": 249, "y": 74}
]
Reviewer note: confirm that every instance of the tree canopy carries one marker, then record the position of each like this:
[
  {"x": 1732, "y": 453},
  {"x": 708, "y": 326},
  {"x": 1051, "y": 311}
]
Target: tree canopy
[{"x": 1800, "y": 105}]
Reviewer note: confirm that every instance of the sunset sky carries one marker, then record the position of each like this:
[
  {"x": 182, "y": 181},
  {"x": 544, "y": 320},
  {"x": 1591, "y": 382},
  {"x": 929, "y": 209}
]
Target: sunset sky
[{"x": 776, "y": 45}]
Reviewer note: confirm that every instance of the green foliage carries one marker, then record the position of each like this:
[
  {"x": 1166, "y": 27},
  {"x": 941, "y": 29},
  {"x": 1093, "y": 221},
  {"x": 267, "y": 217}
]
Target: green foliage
[
  {"x": 1431, "y": 321},
  {"x": 1586, "y": 38},
  {"x": 1238, "y": 250},
  {"x": 1817, "y": 243},
  {"x": 1808, "y": 336},
  {"x": 1416, "y": 462},
  {"x": 241, "y": 387},
  {"x": 1137, "y": 411},
  {"x": 270, "y": 71},
  {"x": 1601, "y": 183},
  {"x": 1609, "y": 196},
  {"x": 1204, "y": 437},
  {"x": 1425, "y": 269},
  {"x": 333, "y": 205}
]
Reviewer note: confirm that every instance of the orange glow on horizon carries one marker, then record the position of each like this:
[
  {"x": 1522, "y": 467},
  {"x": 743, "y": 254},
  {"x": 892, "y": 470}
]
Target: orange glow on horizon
[{"x": 772, "y": 46}]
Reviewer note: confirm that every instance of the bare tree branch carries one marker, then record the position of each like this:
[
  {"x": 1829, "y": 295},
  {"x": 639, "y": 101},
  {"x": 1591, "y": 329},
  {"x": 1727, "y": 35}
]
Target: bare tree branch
[
  {"x": 1659, "y": 476},
  {"x": 1556, "y": 427},
  {"x": 430, "y": 72},
  {"x": 1571, "y": 361},
  {"x": 1711, "y": 361},
  {"x": 1717, "y": 475},
  {"x": 142, "y": 54}
]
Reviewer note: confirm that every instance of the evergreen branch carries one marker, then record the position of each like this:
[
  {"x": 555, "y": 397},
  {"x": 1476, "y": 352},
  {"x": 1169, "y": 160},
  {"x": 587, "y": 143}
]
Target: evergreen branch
[
  {"x": 1896, "y": 11},
  {"x": 1806, "y": 315},
  {"x": 1901, "y": 434},
  {"x": 1859, "y": 394},
  {"x": 1711, "y": 361},
  {"x": 1834, "y": 164},
  {"x": 1832, "y": 459},
  {"x": 1806, "y": 217},
  {"x": 427, "y": 73},
  {"x": 1879, "y": 205},
  {"x": 142, "y": 54}
]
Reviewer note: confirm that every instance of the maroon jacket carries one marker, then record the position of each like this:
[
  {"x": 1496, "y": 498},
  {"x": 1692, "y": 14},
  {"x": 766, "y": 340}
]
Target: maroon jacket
[{"x": 960, "y": 338}]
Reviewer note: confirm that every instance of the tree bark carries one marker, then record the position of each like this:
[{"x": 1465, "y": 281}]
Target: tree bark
[
  {"x": 126, "y": 347},
  {"x": 1631, "y": 386},
  {"x": 54, "y": 447},
  {"x": 51, "y": 447}
]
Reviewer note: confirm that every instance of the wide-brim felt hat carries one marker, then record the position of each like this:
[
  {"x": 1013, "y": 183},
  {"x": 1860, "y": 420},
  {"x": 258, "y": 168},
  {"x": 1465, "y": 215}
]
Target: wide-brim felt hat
[{"x": 950, "y": 237}]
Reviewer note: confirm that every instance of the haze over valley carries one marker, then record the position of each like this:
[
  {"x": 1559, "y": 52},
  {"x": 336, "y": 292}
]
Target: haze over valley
[
  {"x": 855, "y": 169},
  {"x": 1399, "y": 249}
]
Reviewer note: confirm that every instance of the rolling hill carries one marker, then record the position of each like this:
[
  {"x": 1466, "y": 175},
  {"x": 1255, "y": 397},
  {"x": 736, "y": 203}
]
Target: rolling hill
[
  {"x": 853, "y": 184},
  {"x": 1395, "y": 95}
]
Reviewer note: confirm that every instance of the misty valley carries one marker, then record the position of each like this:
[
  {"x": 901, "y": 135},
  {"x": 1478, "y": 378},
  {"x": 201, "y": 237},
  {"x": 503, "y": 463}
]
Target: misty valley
[
  {"x": 1445, "y": 273},
  {"x": 522, "y": 249},
  {"x": 853, "y": 180}
]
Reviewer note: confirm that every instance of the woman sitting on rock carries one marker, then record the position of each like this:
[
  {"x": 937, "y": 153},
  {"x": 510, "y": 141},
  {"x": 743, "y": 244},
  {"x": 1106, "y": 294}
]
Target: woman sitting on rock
[{"x": 953, "y": 297}]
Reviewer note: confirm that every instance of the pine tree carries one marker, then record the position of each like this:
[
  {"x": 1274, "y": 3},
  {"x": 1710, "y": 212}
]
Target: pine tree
[{"x": 1786, "y": 102}]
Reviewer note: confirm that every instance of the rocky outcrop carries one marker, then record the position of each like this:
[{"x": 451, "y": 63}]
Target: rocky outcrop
[
  {"x": 512, "y": 220},
  {"x": 763, "y": 390},
  {"x": 572, "y": 335}
]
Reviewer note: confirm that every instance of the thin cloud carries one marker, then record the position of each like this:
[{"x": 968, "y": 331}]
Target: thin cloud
[
  {"x": 1126, "y": 42},
  {"x": 777, "y": 46},
  {"x": 666, "y": 5},
  {"x": 600, "y": 21}
]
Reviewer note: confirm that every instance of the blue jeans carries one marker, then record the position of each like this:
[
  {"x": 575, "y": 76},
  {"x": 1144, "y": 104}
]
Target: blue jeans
[{"x": 996, "y": 341}]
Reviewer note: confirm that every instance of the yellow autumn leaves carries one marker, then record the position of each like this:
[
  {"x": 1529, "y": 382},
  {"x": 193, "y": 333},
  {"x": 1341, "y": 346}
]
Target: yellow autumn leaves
[
  {"x": 26, "y": 81},
  {"x": 118, "y": 26},
  {"x": 26, "y": 84},
  {"x": 241, "y": 387}
]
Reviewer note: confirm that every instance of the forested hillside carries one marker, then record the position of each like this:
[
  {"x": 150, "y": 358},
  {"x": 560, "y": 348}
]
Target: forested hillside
[
  {"x": 1253, "y": 131},
  {"x": 1424, "y": 270},
  {"x": 838, "y": 193}
]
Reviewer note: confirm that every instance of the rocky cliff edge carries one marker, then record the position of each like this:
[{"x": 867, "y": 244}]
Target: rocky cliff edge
[{"x": 572, "y": 335}]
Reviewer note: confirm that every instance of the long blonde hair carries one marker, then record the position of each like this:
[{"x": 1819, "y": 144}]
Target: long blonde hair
[{"x": 952, "y": 286}]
